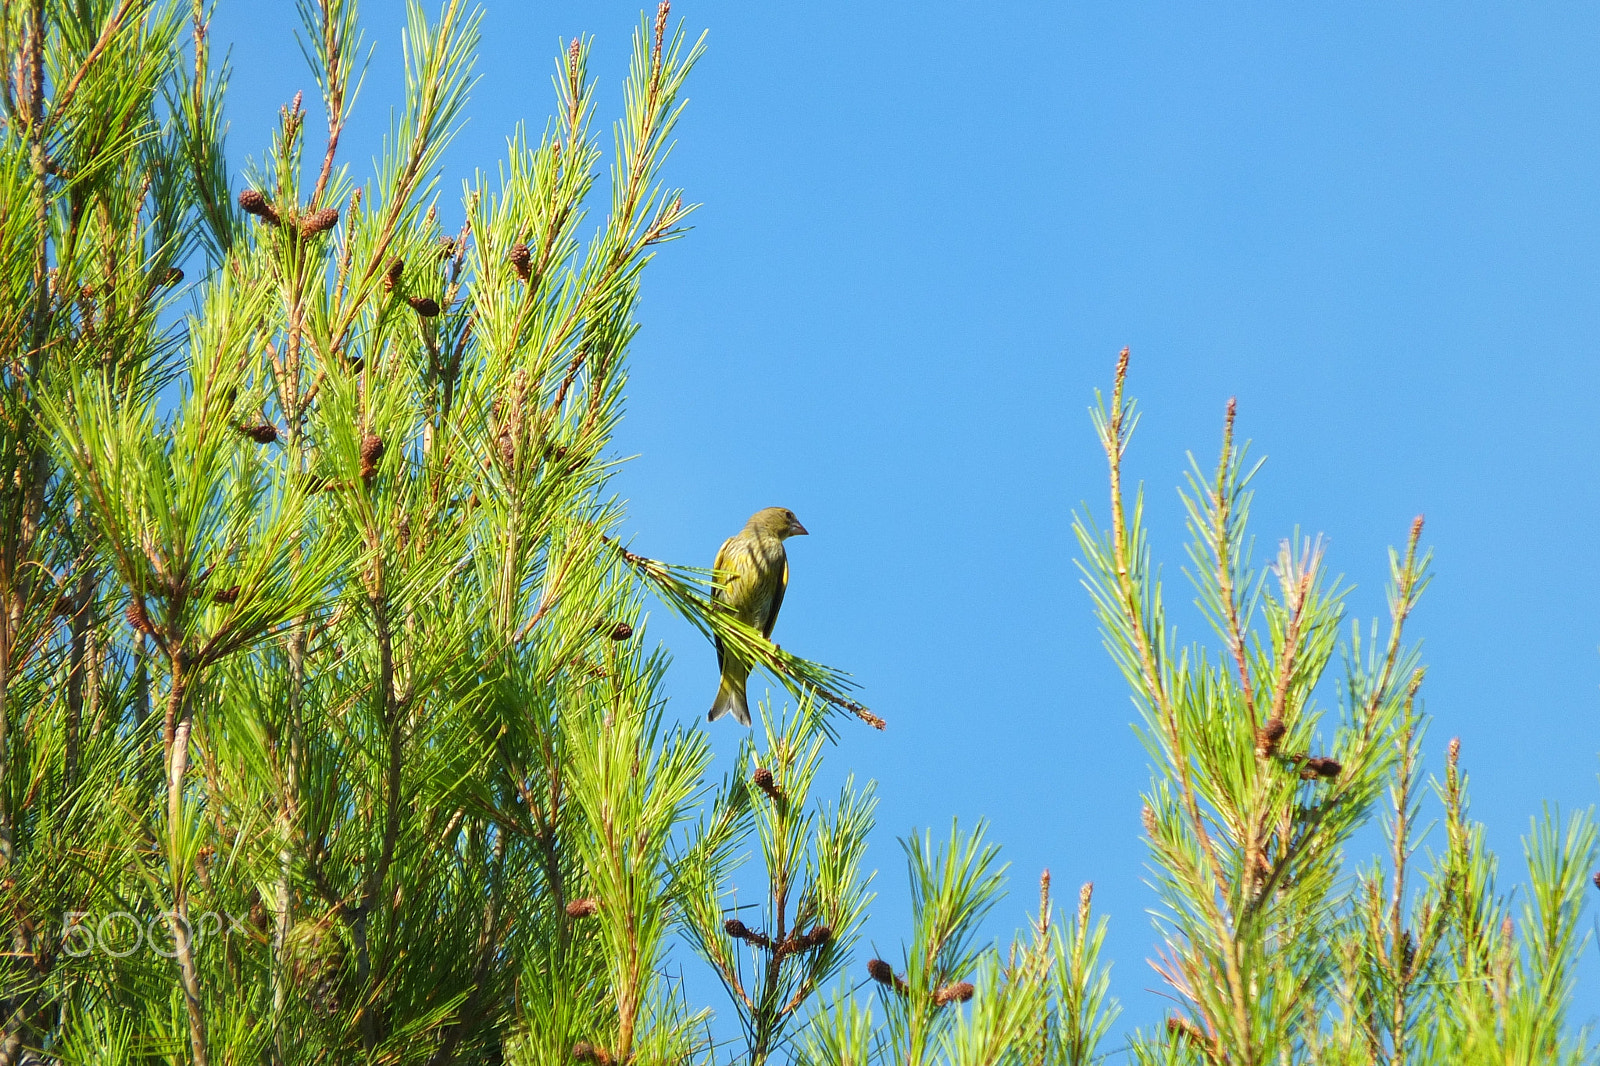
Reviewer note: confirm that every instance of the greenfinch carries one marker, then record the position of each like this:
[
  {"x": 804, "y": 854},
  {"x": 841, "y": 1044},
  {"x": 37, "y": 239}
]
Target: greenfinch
[{"x": 752, "y": 573}]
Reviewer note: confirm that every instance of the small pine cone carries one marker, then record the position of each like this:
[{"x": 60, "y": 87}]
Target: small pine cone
[
  {"x": 253, "y": 203},
  {"x": 819, "y": 936},
  {"x": 762, "y": 779},
  {"x": 739, "y": 931},
  {"x": 426, "y": 306},
  {"x": 521, "y": 260},
  {"x": 1597, "y": 879},
  {"x": 1183, "y": 1028},
  {"x": 173, "y": 276},
  {"x": 265, "y": 433},
  {"x": 391, "y": 277},
  {"x": 583, "y": 1051},
  {"x": 621, "y": 631},
  {"x": 582, "y": 908},
  {"x": 227, "y": 595},
  {"x": 138, "y": 618},
  {"x": 319, "y": 222},
  {"x": 959, "y": 992},
  {"x": 882, "y": 972},
  {"x": 1267, "y": 740},
  {"x": 507, "y": 448},
  {"x": 371, "y": 452},
  {"x": 1318, "y": 766}
]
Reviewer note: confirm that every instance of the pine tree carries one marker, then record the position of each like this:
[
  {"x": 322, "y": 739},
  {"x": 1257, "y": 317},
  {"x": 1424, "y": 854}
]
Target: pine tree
[
  {"x": 330, "y": 729},
  {"x": 1275, "y": 948}
]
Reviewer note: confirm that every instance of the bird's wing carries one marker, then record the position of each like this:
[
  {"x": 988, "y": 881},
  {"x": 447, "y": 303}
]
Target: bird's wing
[
  {"x": 719, "y": 592},
  {"x": 777, "y": 600}
]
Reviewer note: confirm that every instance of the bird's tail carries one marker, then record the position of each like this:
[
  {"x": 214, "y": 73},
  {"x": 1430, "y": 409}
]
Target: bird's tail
[{"x": 731, "y": 699}]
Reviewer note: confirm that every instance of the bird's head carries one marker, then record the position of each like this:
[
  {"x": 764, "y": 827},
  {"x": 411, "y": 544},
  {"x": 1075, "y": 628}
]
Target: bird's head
[{"x": 777, "y": 522}]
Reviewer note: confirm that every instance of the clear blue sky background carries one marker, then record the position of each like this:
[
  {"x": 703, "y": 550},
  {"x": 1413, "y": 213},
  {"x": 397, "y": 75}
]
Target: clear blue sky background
[{"x": 928, "y": 229}]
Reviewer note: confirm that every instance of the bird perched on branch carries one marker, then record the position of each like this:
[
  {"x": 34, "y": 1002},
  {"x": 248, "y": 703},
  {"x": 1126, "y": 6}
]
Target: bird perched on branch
[{"x": 752, "y": 573}]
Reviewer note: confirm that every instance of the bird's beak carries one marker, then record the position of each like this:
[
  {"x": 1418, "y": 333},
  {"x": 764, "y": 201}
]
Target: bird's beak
[{"x": 796, "y": 529}]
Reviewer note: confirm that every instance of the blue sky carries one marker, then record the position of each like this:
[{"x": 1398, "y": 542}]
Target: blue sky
[{"x": 929, "y": 227}]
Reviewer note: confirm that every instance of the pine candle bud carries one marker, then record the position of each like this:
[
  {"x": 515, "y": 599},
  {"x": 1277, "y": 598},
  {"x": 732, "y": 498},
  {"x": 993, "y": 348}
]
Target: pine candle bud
[
  {"x": 582, "y": 908},
  {"x": 1147, "y": 818},
  {"x": 391, "y": 276},
  {"x": 426, "y": 306},
  {"x": 253, "y": 203},
  {"x": 621, "y": 631},
  {"x": 265, "y": 433},
  {"x": 1267, "y": 740},
  {"x": 521, "y": 260},
  {"x": 819, "y": 936},
  {"x": 959, "y": 992},
  {"x": 319, "y": 222}
]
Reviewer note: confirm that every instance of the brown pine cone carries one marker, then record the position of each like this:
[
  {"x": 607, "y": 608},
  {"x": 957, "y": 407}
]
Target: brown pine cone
[
  {"x": 253, "y": 203},
  {"x": 371, "y": 452},
  {"x": 319, "y": 222},
  {"x": 521, "y": 260},
  {"x": 139, "y": 618},
  {"x": 959, "y": 992}
]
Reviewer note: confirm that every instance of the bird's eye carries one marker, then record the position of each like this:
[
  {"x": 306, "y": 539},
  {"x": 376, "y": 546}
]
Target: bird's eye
[{"x": 789, "y": 515}]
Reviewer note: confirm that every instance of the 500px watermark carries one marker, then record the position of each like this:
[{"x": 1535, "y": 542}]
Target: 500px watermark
[{"x": 121, "y": 933}]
